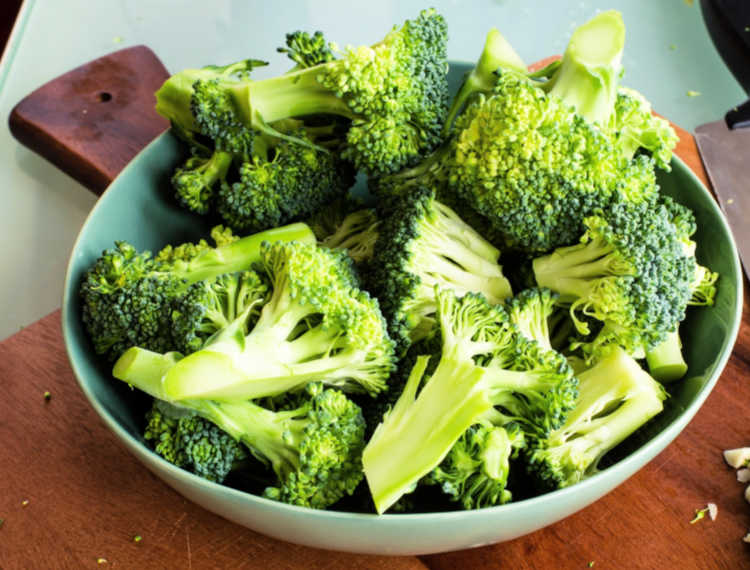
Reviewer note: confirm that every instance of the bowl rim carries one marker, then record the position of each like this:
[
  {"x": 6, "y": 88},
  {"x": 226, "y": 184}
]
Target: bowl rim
[{"x": 633, "y": 461}]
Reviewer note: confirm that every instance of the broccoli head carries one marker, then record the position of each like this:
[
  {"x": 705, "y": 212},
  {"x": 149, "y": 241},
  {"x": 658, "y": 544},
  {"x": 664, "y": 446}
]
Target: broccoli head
[
  {"x": 616, "y": 397},
  {"x": 187, "y": 440},
  {"x": 423, "y": 244},
  {"x": 316, "y": 326},
  {"x": 128, "y": 296}
]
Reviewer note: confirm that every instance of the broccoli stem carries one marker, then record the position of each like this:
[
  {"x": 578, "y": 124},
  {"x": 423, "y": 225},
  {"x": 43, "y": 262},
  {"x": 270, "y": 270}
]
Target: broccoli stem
[
  {"x": 239, "y": 255},
  {"x": 616, "y": 397},
  {"x": 296, "y": 94},
  {"x": 497, "y": 53},
  {"x": 419, "y": 431},
  {"x": 590, "y": 68},
  {"x": 145, "y": 370},
  {"x": 665, "y": 361},
  {"x": 571, "y": 271},
  {"x": 273, "y": 437},
  {"x": 460, "y": 256}
]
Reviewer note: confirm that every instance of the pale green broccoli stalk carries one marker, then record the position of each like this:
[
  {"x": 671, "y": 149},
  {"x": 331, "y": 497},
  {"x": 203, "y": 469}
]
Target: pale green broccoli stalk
[{"x": 421, "y": 428}]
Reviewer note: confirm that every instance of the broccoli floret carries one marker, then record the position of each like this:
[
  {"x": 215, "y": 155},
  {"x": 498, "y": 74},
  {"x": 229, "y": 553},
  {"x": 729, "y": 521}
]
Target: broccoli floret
[
  {"x": 475, "y": 471},
  {"x": 531, "y": 310},
  {"x": 128, "y": 296},
  {"x": 535, "y": 153},
  {"x": 665, "y": 360},
  {"x": 394, "y": 94},
  {"x": 422, "y": 244},
  {"x": 635, "y": 127},
  {"x": 187, "y": 440},
  {"x": 196, "y": 181},
  {"x": 526, "y": 382},
  {"x": 486, "y": 372},
  {"x": 616, "y": 397},
  {"x": 316, "y": 326},
  {"x": 629, "y": 272},
  {"x": 307, "y": 50},
  {"x": 211, "y": 305},
  {"x": 313, "y": 447},
  {"x": 280, "y": 182}
]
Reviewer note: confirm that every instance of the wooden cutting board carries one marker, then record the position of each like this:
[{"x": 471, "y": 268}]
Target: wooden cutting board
[{"x": 72, "y": 497}]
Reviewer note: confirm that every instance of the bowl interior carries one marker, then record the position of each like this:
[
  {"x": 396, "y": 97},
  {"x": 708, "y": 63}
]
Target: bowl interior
[{"x": 138, "y": 207}]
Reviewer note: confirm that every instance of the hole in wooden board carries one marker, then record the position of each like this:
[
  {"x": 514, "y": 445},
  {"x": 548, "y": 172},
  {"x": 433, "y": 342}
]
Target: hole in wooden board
[{"x": 104, "y": 97}]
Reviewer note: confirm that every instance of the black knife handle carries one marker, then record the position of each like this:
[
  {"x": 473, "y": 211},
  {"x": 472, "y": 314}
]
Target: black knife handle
[
  {"x": 739, "y": 117},
  {"x": 727, "y": 21}
]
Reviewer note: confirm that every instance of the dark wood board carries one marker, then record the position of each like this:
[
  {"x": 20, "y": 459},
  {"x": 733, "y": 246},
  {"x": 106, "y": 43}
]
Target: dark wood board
[{"x": 87, "y": 497}]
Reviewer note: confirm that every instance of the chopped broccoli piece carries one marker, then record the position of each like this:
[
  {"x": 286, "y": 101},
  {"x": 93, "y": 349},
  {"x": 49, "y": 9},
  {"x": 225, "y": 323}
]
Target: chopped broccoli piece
[
  {"x": 187, "y": 440},
  {"x": 629, "y": 272},
  {"x": 475, "y": 471},
  {"x": 422, "y": 244},
  {"x": 316, "y": 326},
  {"x": 616, "y": 397},
  {"x": 394, "y": 95},
  {"x": 314, "y": 447},
  {"x": 128, "y": 296}
]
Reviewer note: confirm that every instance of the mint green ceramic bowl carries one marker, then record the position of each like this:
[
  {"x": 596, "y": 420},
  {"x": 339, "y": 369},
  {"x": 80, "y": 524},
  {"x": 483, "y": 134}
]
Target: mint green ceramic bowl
[{"x": 138, "y": 207}]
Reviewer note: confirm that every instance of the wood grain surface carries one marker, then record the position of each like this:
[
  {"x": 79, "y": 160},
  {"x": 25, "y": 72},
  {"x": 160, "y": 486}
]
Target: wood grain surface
[{"x": 93, "y": 120}]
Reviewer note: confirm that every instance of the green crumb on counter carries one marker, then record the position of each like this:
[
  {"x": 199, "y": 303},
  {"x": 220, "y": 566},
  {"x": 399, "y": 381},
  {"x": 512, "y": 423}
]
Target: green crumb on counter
[
  {"x": 137, "y": 538},
  {"x": 673, "y": 47},
  {"x": 699, "y": 514},
  {"x": 692, "y": 93},
  {"x": 591, "y": 564},
  {"x": 117, "y": 40},
  {"x": 47, "y": 396}
]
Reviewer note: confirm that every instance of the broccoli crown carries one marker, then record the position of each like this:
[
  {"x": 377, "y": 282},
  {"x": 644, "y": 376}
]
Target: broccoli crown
[
  {"x": 475, "y": 471},
  {"x": 210, "y": 305},
  {"x": 423, "y": 245},
  {"x": 128, "y": 296},
  {"x": 317, "y": 325},
  {"x": 395, "y": 95},
  {"x": 635, "y": 127},
  {"x": 307, "y": 50},
  {"x": 196, "y": 181},
  {"x": 397, "y": 90},
  {"x": 616, "y": 398},
  {"x": 286, "y": 181},
  {"x": 315, "y": 449},
  {"x": 526, "y": 382},
  {"x": 629, "y": 271},
  {"x": 530, "y": 310},
  {"x": 187, "y": 440},
  {"x": 526, "y": 161}
]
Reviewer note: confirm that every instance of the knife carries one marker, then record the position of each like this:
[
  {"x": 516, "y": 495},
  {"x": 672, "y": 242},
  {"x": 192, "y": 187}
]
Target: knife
[{"x": 724, "y": 145}]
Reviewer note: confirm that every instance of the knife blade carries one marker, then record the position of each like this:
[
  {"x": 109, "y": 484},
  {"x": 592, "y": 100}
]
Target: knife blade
[{"x": 724, "y": 147}]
